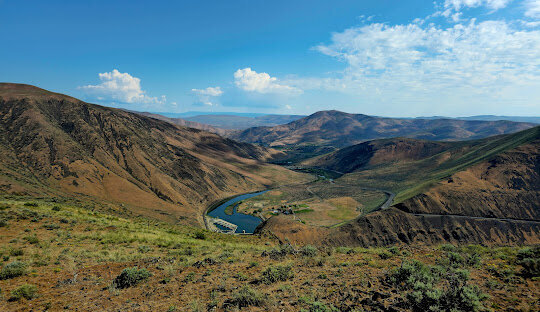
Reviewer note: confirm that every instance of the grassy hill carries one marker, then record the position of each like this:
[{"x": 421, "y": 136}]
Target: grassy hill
[
  {"x": 65, "y": 256},
  {"x": 408, "y": 167}
]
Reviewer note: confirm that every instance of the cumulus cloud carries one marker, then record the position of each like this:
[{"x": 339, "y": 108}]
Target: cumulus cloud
[
  {"x": 249, "y": 80},
  {"x": 206, "y": 96},
  {"x": 532, "y": 8},
  {"x": 121, "y": 87}
]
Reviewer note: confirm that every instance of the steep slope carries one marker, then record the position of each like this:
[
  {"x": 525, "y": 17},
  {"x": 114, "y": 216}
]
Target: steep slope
[
  {"x": 485, "y": 191},
  {"x": 506, "y": 186},
  {"x": 52, "y": 144},
  {"x": 340, "y": 129},
  {"x": 373, "y": 153},
  {"x": 496, "y": 201},
  {"x": 408, "y": 167}
]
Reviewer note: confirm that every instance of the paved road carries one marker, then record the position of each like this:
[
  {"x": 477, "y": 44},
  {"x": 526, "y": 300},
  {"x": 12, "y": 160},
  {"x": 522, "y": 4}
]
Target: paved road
[
  {"x": 392, "y": 195},
  {"x": 429, "y": 215},
  {"x": 385, "y": 205}
]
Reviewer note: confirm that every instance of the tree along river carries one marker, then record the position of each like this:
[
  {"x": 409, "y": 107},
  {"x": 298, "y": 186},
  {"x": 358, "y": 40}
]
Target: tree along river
[{"x": 247, "y": 223}]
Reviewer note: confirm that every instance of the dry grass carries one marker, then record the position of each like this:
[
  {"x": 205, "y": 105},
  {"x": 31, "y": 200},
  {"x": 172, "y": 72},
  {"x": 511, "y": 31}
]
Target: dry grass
[{"x": 80, "y": 253}]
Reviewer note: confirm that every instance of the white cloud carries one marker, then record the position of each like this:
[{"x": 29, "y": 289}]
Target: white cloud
[
  {"x": 460, "y": 4},
  {"x": 249, "y": 80},
  {"x": 532, "y": 8},
  {"x": 451, "y": 9},
  {"x": 490, "y": 59},
  {"x": 210, "y": 91},
  {"x": 121, "y": 87},
  {"x": 530, "y": 24},
  {"x": 206, "y": 96}
]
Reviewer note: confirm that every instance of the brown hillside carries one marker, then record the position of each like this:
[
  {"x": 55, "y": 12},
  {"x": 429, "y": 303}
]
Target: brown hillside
[
  {"x": 507, "y": 186},
  {"x": 377, "y": 152},
  {"x": 496, "y": 201},
  {"x": 52, "y": 144}
]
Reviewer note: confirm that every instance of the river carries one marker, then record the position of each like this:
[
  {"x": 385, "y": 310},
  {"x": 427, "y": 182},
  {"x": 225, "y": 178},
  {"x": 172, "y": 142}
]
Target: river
[{"x": 245, "y": 222}]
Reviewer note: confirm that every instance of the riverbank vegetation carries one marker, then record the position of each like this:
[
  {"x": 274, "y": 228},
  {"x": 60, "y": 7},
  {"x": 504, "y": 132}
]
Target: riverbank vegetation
[
  {"x": 112, "y": 262},
  {"x": 320, "y": 203}
]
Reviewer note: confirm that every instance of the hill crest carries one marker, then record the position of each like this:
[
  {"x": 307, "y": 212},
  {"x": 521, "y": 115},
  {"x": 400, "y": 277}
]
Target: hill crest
[{"x": 339, "y": 129}]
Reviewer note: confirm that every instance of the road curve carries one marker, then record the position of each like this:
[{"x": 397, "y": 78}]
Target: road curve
[
  {"x": 392, "y": 195},
  {"x": 385, "y": 205}
]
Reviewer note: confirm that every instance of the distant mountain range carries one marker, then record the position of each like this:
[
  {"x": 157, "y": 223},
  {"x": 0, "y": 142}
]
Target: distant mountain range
[
  {"x": 240, "y": 121},
  {"x": 187, "y": 123},
  {"x": 197, "y": 113},
  {"x": 339, "y": 129},
  {"x": 235, "y": 122}
]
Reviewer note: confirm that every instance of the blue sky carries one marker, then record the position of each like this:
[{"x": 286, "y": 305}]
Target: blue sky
[{"x": 388, "y": 58}]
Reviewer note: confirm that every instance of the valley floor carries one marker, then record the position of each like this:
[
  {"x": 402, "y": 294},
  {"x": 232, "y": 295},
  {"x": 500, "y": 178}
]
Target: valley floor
[
  {"x": 58, "y": 256},
  {"x": 324, "y": 202}
]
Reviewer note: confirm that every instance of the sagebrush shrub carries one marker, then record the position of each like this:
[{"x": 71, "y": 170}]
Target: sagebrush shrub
[
  {"x": 25, "y": 291},
  {"x": 321, "y": 307},
  {"x": 16, "y": 252},
  {"x": 200, "y": 235},
  {"x": 12, "y": 270},
  {"x": 529, "y": 259},
  {"x": 436, "y": 288},
  {"x": 131, "y": 277},
  {"x": 247, "y": 297},
  {"x": 281, "y": 252},
  {"x": 31, "y": 239},
  {"x": 278, "y": 273},
  {"x": 410, "y": 273},
  {"x": 309, "y": 251}
]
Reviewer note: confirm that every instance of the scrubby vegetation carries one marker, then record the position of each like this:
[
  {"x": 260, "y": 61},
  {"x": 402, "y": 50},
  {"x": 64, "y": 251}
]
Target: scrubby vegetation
[
  {"x": 108, "y": 262},
  {"x": 529, "y": 259},
  {"x": 25, "y": 291},
  {"x": 131, "y": 277},
  {"x": 278, "y": 273},
  {"x": 246, "y": 297},
  {"x": 436, "y": 288},
  {"x": 12, "y": 270}
]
